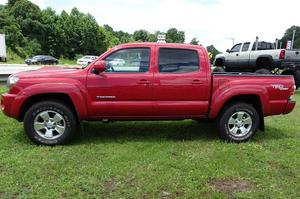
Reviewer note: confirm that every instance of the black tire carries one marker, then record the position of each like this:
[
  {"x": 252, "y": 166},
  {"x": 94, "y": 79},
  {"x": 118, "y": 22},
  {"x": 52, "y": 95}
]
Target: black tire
[
  {"x": 229, "y": 113},
  {"x": 296, "y": 75},
  {"x": 69, "y": 121},
  {"x": 219, "y": 70},
  {"x": 263, "y": 71}
]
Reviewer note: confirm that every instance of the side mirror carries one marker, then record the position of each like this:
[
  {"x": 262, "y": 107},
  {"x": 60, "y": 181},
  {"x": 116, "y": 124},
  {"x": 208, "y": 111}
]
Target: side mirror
[
  {"x": 99, "y": 67},
  {"x": 228, "y": 50}
]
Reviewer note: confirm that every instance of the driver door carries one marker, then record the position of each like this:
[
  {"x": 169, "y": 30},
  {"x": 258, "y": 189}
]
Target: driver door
[
  {"x": 125, "y": 88},
  {"x": 232, "y": 58}
]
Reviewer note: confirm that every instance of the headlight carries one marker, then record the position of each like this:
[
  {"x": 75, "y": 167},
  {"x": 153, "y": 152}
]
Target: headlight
[{"x": 12, "y": 80}]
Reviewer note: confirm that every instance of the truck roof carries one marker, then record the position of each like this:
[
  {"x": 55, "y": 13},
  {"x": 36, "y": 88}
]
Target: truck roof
[{"x": 150, "y": 44}]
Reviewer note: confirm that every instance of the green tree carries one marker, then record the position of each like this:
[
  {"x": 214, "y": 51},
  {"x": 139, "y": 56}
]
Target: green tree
[
  {"x": 289, "y": 34},
  {"x": 141, "y": 35},
  {"x": 194, "y": 41},
  {"x": 213, "y": 51},
  {"x": 175, "y": 36},
  {"x": 12, "y": 30}
]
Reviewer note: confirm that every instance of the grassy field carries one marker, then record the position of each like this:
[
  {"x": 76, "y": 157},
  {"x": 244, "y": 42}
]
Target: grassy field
[{"x": 181, "y": 159}]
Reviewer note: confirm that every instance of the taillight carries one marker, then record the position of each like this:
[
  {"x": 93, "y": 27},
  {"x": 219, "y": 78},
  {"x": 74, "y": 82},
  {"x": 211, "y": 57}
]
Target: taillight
[{"x": 282, "y": 54}]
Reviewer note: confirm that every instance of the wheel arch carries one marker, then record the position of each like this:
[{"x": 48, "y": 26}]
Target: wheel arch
[
  {"x": 218, "y": 60},
  {"x": 60, "y": 97},
  {"x": 251, "y": 99},
  {"x": 264, "y": 61}
]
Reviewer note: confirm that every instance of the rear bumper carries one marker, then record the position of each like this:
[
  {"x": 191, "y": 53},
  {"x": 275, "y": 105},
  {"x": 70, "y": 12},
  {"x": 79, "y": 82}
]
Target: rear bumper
[
  {"x": 7, "y": 104},
  {"x": 289, "y": 106}
]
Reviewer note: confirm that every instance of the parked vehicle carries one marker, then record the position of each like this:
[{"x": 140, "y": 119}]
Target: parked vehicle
[
  {"x": 86, "y": 60},
  {"x": 119, "y": 62},
  {"x": 171, "y": 82},
  {"x": 262, "y": 58},
  {"x": 3, "y": 57},
  {"x": 41, "y": 60}
]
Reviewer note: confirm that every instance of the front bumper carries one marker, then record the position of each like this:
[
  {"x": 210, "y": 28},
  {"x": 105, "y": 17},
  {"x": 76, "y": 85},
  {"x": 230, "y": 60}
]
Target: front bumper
[
  {"x": 289, "y": 106},
  {"x": 7, "y": 107}
]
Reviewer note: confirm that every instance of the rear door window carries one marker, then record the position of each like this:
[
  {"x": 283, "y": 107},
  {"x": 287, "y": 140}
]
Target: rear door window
[{"x": 178, "y": 60}]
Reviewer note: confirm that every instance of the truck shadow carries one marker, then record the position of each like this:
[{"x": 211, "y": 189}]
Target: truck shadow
[
  {"x": 146, "y": 131},
  {"x": 177, "y": 131}
]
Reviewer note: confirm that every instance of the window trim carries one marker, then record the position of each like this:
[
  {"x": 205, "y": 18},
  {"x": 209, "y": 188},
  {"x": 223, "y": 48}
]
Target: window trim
[
  {"x": 241, "y": 44},
  {"x": 129, "y": 72},
  {"x": 158, "y": 58},
  {"x": 247, "y": 43}
]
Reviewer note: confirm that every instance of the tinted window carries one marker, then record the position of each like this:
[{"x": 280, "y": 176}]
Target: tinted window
[
  {"x": 263, "y": 46},
  {"x": 128, "y": 60},
  {"x": 178, "y": 60},
  {"x": 246, "y": 46},
  {"x": 236, "y": 48}
]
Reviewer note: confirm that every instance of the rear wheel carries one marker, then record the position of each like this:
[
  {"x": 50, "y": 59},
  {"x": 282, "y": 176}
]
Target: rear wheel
[
  {"x": 49, "y": 123},
  {"x": 238, "y": 122}
]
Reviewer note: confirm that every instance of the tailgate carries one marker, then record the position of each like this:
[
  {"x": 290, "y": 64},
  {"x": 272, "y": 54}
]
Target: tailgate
[{"x": 292, "y": 58}]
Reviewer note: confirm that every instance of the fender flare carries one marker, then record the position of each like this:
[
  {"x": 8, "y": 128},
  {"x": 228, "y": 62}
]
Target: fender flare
[
  {"x": 223, "y": 95},
  {"x": 74, "y": 91},
  {"x": 269, "y": 57},
  {"x": 222, "y": 58}
]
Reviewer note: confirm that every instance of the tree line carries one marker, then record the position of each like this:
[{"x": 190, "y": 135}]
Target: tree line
[{"x": 30, "y": 31}]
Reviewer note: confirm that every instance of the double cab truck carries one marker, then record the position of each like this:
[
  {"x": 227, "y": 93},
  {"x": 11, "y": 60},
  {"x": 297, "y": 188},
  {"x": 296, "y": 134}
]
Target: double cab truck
[
  {"x": 154, "y": 81},
  {"x": 260, "y": 57}
]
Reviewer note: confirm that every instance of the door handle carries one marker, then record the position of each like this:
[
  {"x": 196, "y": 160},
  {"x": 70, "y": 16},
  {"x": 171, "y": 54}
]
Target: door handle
[
  {"x": 197, "y": 81},
  {"x": 143, "y": 81}
]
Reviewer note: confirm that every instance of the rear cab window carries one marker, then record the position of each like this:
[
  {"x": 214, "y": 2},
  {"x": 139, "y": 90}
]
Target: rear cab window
[
  {"x": 173, "y": 60},
  {"x": 263, "y": 46}
]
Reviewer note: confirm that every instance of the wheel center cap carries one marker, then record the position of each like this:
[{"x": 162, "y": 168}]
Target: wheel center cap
[
  {"x": 50, "y": 125},
  {"x": 239, "y": 124}
]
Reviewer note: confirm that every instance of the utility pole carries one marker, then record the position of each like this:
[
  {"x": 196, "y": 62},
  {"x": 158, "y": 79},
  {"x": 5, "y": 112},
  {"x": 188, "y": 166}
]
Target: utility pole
[
  {"x": 232, "y": 40},
  {"x": 293, "y": 39}
]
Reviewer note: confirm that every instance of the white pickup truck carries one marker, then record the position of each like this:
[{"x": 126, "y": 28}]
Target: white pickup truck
[
  {"x": 260, "y": 57},
  {"x": 2, "y": 48}
]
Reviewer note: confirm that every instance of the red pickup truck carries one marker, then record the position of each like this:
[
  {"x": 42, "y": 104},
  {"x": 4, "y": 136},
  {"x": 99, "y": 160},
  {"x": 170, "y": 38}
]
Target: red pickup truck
[{"x": 144, "y": 81}]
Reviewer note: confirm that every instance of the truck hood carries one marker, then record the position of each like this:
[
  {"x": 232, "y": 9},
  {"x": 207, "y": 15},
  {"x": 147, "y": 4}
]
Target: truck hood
[{"x": 53, "y": 72}]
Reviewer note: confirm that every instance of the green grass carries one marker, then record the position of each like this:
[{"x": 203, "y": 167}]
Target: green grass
[
  {"x": 182, "y": 159},
  {"x": 64, "y": 61},
  {"x": 13, "y": 58}
]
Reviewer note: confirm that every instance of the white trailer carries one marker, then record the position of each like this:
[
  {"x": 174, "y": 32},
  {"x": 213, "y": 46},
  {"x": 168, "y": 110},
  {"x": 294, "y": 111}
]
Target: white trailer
[{"x": 2, "y": 48}]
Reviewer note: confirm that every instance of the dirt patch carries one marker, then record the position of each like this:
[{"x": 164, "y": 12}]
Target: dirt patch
[
  {"x": 229, "y": 186},
  {"x": 110, "y": 186}
]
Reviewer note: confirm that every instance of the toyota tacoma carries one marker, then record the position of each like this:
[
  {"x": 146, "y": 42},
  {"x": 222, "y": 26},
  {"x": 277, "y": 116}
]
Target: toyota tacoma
[{"x": 154, "y": 81}]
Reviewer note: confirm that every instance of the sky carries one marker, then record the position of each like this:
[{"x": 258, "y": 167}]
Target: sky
[{"x": 210, "y": 21}]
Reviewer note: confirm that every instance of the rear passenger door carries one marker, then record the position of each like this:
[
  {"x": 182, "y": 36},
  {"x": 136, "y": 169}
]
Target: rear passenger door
[{"x": 180, "y": 85}]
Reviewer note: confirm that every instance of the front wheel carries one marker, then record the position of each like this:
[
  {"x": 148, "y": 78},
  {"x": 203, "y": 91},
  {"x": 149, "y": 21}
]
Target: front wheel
[
  {"x": 50, "y": 123},
  {"x": 238, "y": 122}
]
